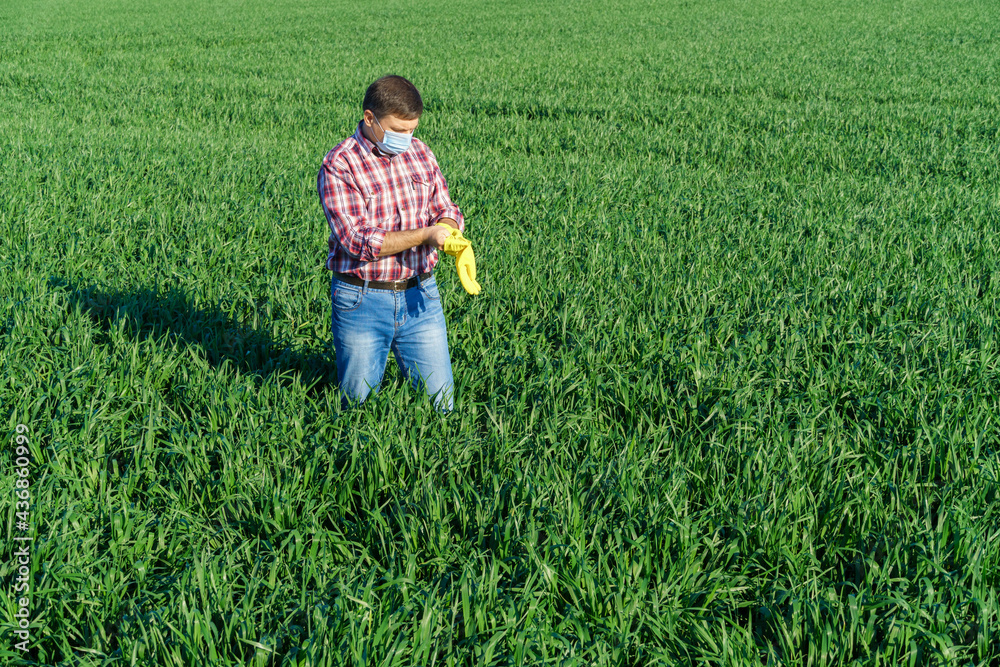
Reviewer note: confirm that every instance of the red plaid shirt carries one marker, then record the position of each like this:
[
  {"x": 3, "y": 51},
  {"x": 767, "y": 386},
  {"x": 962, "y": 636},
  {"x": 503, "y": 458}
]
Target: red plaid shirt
[{"x": 366, "y": 194}]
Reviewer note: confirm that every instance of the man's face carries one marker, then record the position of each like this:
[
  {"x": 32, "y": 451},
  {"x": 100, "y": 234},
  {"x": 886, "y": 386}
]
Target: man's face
[{"x": 390, "y": 123}]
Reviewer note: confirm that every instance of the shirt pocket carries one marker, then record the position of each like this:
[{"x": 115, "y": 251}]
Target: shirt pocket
[
  {"x": 421, "y": 185},
  {"x": 377, "y": 202}
]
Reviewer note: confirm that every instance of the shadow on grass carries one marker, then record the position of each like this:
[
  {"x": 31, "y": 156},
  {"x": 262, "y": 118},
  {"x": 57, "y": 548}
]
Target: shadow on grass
[{"x": 218, "y": 337}]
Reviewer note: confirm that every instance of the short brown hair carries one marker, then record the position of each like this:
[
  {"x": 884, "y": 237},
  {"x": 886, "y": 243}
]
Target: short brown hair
[{"x": 393, "y": 95}]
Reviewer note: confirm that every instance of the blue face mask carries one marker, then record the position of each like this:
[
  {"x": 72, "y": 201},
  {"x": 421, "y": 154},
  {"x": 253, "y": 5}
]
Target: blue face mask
[{"x": 393, "y": 143}]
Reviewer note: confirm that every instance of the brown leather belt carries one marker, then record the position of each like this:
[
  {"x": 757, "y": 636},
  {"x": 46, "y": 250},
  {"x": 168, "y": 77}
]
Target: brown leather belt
[{"x": 393, "y": 285}]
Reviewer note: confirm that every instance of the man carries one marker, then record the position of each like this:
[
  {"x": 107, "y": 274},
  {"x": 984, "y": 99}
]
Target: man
[{"x": 383, "y": 195}]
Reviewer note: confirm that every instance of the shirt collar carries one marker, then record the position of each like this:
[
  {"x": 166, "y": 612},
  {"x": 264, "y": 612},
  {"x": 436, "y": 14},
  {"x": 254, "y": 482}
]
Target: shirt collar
[{"x": 367, "y": 146}]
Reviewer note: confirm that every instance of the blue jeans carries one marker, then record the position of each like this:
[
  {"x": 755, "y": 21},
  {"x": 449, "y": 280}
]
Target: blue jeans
[{"x": 368, "y": 322}]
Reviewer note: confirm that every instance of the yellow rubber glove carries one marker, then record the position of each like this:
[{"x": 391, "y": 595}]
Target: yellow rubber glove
[{"x": 460, "y": 248}]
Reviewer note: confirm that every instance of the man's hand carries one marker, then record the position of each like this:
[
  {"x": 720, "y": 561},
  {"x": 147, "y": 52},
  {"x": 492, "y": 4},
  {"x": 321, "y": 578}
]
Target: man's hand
[{"x": 436, "y": 236}]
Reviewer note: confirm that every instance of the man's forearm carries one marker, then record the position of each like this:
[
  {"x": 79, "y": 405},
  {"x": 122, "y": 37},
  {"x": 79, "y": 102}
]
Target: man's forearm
[{"x": 396, "y": 242}]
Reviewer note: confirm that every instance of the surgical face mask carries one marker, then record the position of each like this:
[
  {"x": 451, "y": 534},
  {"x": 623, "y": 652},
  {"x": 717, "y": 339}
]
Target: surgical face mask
[{"x": 393, "y": 143}]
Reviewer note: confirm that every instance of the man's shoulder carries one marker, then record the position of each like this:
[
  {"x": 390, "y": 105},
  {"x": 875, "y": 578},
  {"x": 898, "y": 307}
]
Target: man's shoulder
[
  {"x": 421, "y": 153},
  {"x": 421, "y": 147},
  {"x": 340, "y": 156}
]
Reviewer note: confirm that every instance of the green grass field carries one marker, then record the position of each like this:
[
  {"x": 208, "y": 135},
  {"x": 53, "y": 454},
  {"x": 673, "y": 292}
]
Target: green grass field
[{"x": 729, "y": 395}]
